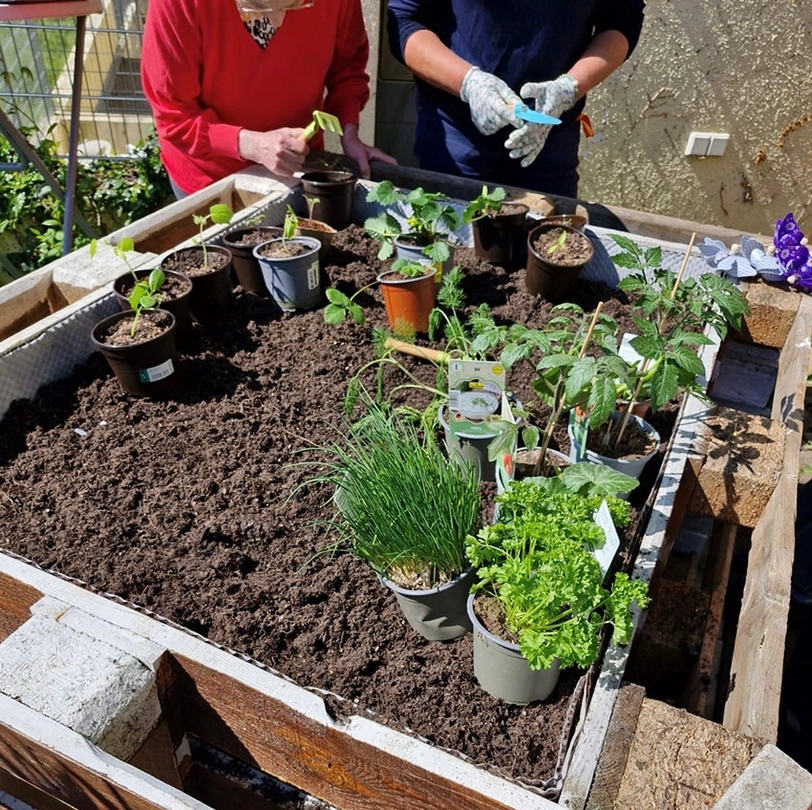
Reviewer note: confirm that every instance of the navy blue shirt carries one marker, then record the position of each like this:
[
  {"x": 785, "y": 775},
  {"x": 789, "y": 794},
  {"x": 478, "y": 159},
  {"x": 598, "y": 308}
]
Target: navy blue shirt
[{"x": 519, "y": 41}]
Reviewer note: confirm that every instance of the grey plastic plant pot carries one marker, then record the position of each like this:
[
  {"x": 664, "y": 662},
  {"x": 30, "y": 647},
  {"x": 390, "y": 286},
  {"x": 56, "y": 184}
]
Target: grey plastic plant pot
[
  {"x": 502, "y": 671},
  {"x": 246, "y": 266},
  {"x": 630, "y": 466},
  {"x": 468, "y": 448},
  {"x": 414, "y": 253},
  {"x": 293, "y": 282},
  {"x": 438, "y": 614}
]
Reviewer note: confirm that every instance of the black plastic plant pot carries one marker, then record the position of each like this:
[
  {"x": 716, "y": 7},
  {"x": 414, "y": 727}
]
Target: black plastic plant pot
[
  {"x": 544, "y": 276},
  {"x": 212, "y": 294},
  {"x": 246, "y": 267},
  {"x": 178, "y": 304},
  {"x": 333, "y": 190},
  {"x": 500, "y": 238},
  {"x": 148, "y": 368}
]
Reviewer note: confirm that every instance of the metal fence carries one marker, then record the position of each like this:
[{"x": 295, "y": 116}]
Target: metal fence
[{"x": 36, "y": 77}]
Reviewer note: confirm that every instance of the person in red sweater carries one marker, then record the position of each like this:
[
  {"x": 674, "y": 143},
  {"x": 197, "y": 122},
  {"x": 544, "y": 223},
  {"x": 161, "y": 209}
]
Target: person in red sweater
[{"x": 229, "y": 87}]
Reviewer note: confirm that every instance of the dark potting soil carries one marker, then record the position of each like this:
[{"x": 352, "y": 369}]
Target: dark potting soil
[
  {"x": 285, "y": 250},
  {"x": 635, "y": 443},
  {"x": 573, "y": 251},
  {"x": 190, "y": 261},
  {"x": 257, "y": 236},
  {"x": 151, "y": 324},
  {"x": 191, "y": 507}
]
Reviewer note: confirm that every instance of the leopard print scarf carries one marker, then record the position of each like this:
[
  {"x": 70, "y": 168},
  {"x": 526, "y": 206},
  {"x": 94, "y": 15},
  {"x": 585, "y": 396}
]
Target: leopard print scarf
[{"x": 261, "y": 26}]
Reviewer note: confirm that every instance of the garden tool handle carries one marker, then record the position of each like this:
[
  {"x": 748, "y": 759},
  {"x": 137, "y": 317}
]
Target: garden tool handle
[{"x": 416, "y": 351}]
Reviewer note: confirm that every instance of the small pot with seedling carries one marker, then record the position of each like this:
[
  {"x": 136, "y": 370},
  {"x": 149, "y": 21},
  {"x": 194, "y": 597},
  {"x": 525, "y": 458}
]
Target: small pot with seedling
[
  {"x": 314, "y": 229},
  {"x": 290, "y": 267},
  {"x": 241, "y": 242},
  {"x": 406, "y": 510},
  {"x": 408, "y": 294},
  {"x": 419, "y": 226},
  {"x": 139, "y": 345},
  {"x": 497, "y": 227},
  {"x": 556, "y": 255},
  {"x": 541, "y": 599},
  {"x": 175, "y": 291},
  {"x": 331, "y": 190},
  {"x": 209, "y": 268}
]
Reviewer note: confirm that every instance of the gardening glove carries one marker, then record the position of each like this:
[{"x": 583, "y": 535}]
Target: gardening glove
[
  {"x": 491, "y": 101},
  {"x": 552, "y": 98}
]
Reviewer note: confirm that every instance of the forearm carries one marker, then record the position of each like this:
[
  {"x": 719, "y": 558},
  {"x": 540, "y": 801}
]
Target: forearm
[
  {"x": 605, "y": 54},
  {"x": 433, "y": 62}
]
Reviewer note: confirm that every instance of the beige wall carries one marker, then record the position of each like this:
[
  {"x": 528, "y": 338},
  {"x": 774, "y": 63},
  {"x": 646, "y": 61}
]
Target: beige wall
[{"x": 736, "y": 66}]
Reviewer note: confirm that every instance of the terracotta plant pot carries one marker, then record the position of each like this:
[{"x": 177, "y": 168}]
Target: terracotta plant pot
[
  {"x": 408, "y": 301},
  {"x": 212, "y": 291},
  {"x": 241, "y": 242},
  {"x": 500, "y": 238},
  {"x": 438, "y": 614},
  {"x": 143, "y": 369},
  {"x": 547, "y": 277},
  {"x": 502, "y": 671},
  {"x": 180, "y": 288},
  {"x": 294, "y": 281},
  {"x": 334, "y": 191},
  {"x": 321, "y": 231}
]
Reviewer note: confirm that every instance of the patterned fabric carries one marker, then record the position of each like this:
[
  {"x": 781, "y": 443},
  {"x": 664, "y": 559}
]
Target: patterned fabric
[
  {"x": 552, "y": 98},
  {"x": 490, "y": 99},
  {"x": 261, "y": 28}
]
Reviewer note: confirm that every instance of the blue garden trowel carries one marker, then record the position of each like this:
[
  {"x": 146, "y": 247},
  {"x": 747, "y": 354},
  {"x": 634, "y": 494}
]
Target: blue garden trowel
[{"x": 526, "y": 114}]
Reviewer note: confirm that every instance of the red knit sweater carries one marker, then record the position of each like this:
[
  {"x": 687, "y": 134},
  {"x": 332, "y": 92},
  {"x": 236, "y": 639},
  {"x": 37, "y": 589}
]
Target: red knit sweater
[{"x": 206, "y": 78}]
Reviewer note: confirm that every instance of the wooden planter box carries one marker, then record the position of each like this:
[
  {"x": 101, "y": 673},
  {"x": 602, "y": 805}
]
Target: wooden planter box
[{"x": 238, "y": 706}]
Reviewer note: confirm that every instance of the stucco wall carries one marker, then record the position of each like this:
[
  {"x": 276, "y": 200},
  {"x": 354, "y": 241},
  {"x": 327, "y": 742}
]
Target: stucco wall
[{"x": 736, "y": 66}]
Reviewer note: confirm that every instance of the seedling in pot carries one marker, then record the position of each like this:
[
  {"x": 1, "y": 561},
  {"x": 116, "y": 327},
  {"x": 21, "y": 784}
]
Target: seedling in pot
[
  {"x": 312, "y": 202},
  {"x": 486, "y": 203},
  {"x": 145, "y": 295},
  {"x": 558, "y": 244},
  {"x": 290, "y": 225},
  {"x": 219, "y": 214},
  {"x": 409, "y": 269}
]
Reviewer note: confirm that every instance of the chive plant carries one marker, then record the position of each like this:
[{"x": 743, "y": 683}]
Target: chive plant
[{"x": 405, "y": 508}]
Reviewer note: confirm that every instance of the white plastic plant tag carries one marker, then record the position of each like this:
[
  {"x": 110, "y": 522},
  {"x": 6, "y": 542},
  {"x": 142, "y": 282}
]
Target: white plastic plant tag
[
  {"x": 606, "y": 553},
  {"x": 313, "y": 276},
  {"x": 626, "y": 350},
  {"x": 148, "y": 375}
]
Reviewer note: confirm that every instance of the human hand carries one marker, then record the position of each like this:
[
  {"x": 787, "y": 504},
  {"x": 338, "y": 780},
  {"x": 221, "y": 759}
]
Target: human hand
[
  {"x": 360, "y": 152},
  {"x": 491, "y": 101},
  {"x": 552, "y": 98},
  {"x": 279, "y": 150}
]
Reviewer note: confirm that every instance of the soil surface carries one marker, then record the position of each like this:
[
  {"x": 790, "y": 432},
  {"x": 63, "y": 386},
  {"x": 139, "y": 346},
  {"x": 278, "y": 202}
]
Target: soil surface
[
  {"x": 255, "y": 236},
  {"x": 192, "y": 507},
  {"x": 190, "y": 261},
  {"x": 175, "y": 286},
  {"x": 573, "y": 251},
  {"x": 151, "y": 324},
  {"x": 285, "y": 250}
]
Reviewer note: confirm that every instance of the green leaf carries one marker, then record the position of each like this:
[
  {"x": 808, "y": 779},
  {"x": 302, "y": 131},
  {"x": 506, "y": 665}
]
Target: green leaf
[
  {"x": 334, "y": 314},
  {"x": 602, "y": 401},
  {"x": 687, "y": 360},
  {"x": 626, "y": 260},
  {"x": 356, "y": 313},
  {"x": 654, "y": 256},
  {"x": 220, "y": 214},
  {"x": 335, "y": 296},
  {"x": 125, "y": 244},
  {"x": 597, "y": 480},
  {"x": 664, "y": 384},
  {"x": 580, "y": 378},
  {"x": 627, "y": 244},
  {"x": 648, "y": 346}
]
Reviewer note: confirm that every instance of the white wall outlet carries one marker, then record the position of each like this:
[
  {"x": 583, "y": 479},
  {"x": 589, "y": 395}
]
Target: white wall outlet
[{"x": 707, "y": 144}]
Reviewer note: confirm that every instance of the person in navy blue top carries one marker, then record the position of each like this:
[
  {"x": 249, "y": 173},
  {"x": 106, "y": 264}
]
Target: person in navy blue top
[{"x": 475, "y": 59}]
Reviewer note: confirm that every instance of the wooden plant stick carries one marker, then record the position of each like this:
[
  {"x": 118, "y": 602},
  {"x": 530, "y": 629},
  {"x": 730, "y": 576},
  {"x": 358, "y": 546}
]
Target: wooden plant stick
[{"x": 434, "y": 356}]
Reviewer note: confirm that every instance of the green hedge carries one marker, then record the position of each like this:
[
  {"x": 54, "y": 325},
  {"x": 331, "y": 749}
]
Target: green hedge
[{"x": 110, "y": 193}]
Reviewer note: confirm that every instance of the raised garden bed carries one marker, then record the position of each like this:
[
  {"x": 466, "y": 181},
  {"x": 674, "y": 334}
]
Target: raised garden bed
[{"x": 182, "y": 507}]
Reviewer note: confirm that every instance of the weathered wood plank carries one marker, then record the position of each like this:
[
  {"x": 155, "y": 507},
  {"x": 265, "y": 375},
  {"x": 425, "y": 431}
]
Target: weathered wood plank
[
  {"x": 16, "y": 600},
  {"x": 772, "y": 313},
  {"x": 755, "y": 678},
  {"x": 700, "y": 690},
  {"x": 319, "y": 760}
]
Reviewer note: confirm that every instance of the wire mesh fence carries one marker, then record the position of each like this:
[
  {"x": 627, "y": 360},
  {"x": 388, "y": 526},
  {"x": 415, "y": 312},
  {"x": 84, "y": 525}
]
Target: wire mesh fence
[{"x": 36, "y": 79}]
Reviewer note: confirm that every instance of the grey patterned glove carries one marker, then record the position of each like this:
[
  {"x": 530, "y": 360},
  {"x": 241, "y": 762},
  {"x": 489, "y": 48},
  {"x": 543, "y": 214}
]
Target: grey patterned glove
[
  {"x": 491, "y": 101},
  {"x": 552, "y": 98}
]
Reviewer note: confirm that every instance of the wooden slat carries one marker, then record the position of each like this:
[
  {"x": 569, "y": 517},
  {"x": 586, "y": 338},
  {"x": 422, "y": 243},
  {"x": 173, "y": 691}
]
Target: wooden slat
[
  {"x": 700, "y": 691},
  {"x": 323, "y": 762},
  {"x": 65, "y": 766},
  {"x": 756, "y": 670},
  {"x": 16, "y": 600}
]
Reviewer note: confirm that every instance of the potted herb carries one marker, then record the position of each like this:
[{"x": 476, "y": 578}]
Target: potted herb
[
  {"x": 556, "y": 255},
  {"x": 671, "y": 313},
  {"x": 406, "y": 510},
  {"x": 540, "y": 602},
  {"x": 139, "y": 345},
  {"x": 241, "y": 242},
  {"x": 418, "y": 225},
  {"x": 209, "y": 268},
  {"x": 408, "y": 294},
  {"x": 497, "y": 227},
  {"x": 175, "y": 290},
  {"x": 290, "y": 267}
]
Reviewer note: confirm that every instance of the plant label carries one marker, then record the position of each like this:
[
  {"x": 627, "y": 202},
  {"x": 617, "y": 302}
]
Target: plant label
[
  {"x": 313, "y": 276},
  {"x": 476, "y": 390},
  {"x": 148, "y": 375},
  {"x": 606, "y": 553},
  {"x": 627, "y": 352}
]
